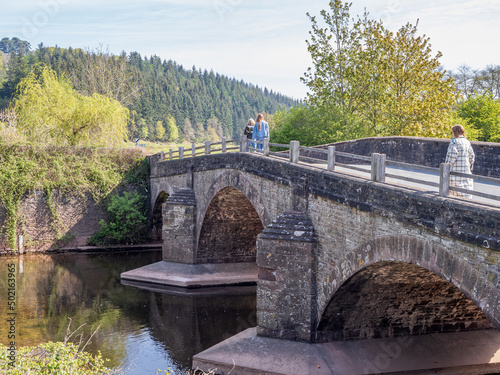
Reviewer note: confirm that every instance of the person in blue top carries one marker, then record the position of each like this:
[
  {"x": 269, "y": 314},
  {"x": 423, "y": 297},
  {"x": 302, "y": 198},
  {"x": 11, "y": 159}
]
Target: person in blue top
[{"x": 260, "y": 130}]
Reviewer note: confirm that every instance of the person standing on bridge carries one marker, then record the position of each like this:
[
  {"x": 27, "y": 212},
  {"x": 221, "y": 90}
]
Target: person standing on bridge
[
  {"x": 260, "y": 130},
  {"x": 460, "y": 156},
  {"x": 248, "y": 132}
]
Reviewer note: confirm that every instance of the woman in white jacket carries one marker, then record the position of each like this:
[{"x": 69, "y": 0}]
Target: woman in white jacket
[{"x": 461, "y": 157}]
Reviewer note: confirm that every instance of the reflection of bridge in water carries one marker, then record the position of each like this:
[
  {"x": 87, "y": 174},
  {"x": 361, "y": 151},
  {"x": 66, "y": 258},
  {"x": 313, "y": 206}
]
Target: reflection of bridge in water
[{"x": 354, "y": 274}]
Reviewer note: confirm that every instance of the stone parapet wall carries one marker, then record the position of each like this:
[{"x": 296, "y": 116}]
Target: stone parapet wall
[{"x": 428, "y": 152}]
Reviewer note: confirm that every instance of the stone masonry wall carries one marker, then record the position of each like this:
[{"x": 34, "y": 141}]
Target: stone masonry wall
[
  {"x": 78, "y": 220},
  {"x": 423, "y": 151},
  {"x": 352, "y": 239}
]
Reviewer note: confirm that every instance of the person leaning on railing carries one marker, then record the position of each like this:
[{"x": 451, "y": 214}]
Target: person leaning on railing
[
  {"x": 260, "y": 130},
  {"x": 460, "y": 156},
  {"x": 248, "y": 132}
]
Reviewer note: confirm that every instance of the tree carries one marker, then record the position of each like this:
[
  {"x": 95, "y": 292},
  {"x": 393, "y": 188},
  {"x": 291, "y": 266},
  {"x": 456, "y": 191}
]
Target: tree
[
  {"x": 417, "y": 97},
  {"x": 52, "y": 112},
  {"x": 489, "y": 80},
  {"x": 343, "y": 77},
  {"x": 159, "y": 130},
  {"x": 312, "y": 126},
  {"x": 17, "y": 69},
  {"x": 388, "y": 81},
  {"x": 171, "y": 129},
  {"x": 483, "y": 113},
  {"x": 466, "y": 81},
  {"x": 14, "y": 45},
  {"x": 188, "y": 130},
  {"x": 106, "y": 74},
  {"x": 213, "y": 123},
  {"x": 199, "y": 132},
  {"x": 143, "y": 129},
  {"x": 212, "y": 135}
]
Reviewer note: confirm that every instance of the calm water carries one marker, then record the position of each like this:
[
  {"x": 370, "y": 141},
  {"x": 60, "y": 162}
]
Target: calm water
[{"x": 140, "y": 330}]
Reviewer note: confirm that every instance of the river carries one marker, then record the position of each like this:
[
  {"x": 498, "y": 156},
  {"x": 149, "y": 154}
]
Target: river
[{"x": 140, "y": 330}]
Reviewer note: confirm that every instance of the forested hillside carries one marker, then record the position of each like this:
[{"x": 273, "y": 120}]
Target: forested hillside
[{"x": 165, "y": 99}]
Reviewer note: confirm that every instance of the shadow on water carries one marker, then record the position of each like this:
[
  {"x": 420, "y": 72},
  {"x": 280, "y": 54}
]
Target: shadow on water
[{"x": 140, "y": 330}]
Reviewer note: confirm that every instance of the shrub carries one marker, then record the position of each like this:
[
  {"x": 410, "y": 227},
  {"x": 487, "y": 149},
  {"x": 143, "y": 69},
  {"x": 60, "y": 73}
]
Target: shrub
[
  {"x": 52, "y": 358},
  {"x": 127, "y": 221}
]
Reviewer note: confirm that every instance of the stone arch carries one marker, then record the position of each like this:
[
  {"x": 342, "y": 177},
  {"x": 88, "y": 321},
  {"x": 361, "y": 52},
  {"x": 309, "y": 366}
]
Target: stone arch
[
  {"x": 393, "y": 298},
  {"x": 157, "y": 217},
  {"x": 434, "y": 258},
  {"x": 240, "y": 181},
  {"x": 229, "y": 230}
]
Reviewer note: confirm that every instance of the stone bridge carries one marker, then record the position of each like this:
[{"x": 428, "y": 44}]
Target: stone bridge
[{"x": 339, "y": 257}]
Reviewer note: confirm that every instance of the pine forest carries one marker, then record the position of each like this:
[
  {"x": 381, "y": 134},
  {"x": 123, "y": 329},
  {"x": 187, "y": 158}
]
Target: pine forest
[{"x": 167, "y": 102}]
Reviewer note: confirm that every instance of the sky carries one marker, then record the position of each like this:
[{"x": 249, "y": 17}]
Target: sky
[{"x": 262, "y": 42}]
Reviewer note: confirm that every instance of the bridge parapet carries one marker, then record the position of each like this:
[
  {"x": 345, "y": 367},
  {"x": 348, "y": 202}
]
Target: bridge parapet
[
  {"x": 423, "y": 151},
  {"x": 461, "y": 219}
]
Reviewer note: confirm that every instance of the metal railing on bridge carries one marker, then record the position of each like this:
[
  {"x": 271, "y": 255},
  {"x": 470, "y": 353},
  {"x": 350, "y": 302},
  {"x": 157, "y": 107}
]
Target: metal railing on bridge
[{"x": 375, "y": 165}]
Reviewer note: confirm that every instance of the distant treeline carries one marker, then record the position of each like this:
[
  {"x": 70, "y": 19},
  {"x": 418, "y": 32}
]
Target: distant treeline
[{"x": 160, "y": 94}]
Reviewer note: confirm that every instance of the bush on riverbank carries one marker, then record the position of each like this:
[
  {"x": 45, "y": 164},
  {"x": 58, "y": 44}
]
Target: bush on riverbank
[
  {"x": 51, "y": 359},
  {"x": 127, "y": 221}
]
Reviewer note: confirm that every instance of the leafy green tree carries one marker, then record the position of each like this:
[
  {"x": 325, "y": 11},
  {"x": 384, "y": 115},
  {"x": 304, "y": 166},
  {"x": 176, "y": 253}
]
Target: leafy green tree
[
  {"x": 171, "y": 129},
  {"x": 213, "y": 123},
  {"x": 143, "y": 129},
  {"x": 344, "y": 76},
  {"x": 159, "y": 130},
  {"x": 14, "y": 45},
  {"x": 417, "y": 96},
  {"x": 390, "y": 81},
  {"x": 311, "y": 126},
  {"x": 200, "y": 133},
  {"x": 212, "y": 135},
  {"x": 51, "y": 111},
  {"x": 17, "y": 68},
  {"x": 482, "y": 112}
]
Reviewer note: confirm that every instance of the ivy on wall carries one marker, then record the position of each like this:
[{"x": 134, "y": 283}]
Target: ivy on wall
[{"x": 79, "y": 171}]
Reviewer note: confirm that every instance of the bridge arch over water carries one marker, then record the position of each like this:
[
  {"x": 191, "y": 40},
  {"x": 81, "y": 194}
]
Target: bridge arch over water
[
  {"x": 402, "y": 287},
  {"x": 229, "y": 212}
]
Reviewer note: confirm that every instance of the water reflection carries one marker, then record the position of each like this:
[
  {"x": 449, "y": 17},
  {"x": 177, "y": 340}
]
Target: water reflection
[{"x": 140, "y": 330}]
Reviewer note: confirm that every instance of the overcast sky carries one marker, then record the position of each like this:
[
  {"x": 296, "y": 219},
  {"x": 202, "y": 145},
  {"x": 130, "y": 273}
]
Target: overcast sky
[{"x": 259, "y": 41}]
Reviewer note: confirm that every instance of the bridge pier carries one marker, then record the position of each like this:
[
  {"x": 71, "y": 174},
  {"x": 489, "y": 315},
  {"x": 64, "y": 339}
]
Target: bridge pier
[
  {"x": 286, "y": 289},
  {"x": 181, "y": 265},
  {"x": 179, "y": 227}
]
